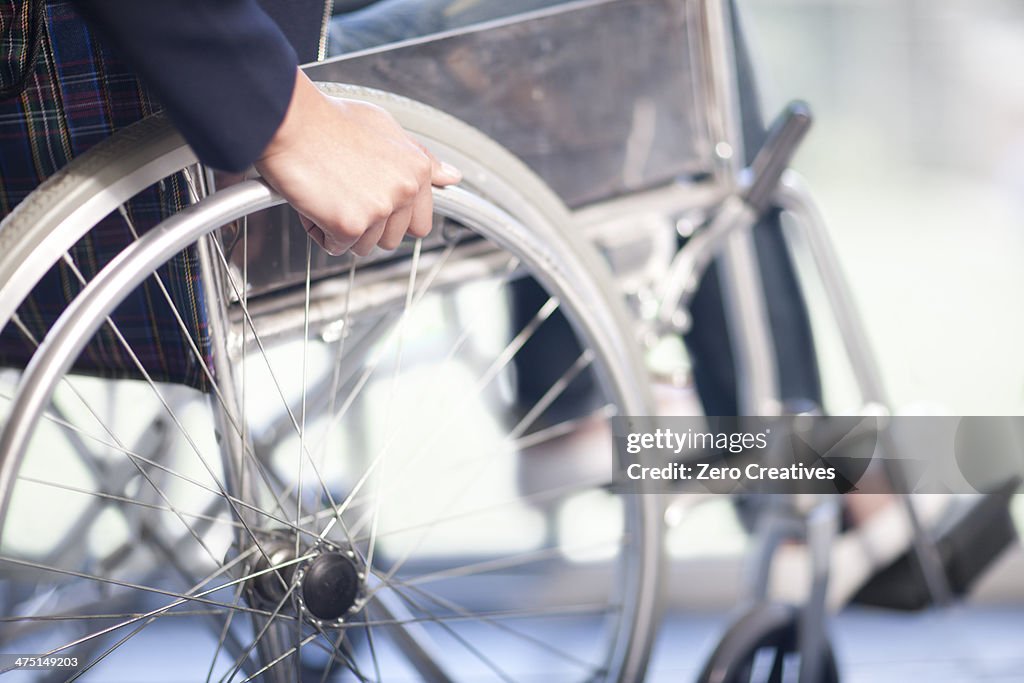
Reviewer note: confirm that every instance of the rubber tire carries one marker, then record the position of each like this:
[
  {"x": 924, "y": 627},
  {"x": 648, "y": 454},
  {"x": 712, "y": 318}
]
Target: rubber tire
[{"x": 767, "y": 625}]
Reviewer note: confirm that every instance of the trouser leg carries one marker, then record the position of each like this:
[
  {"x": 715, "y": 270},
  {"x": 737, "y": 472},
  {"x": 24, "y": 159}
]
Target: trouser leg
[{"x": 713, "y": 365}]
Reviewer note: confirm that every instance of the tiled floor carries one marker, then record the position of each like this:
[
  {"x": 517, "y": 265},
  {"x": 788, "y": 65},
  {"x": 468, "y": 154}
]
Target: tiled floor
[{"x": 959, "y": 645}]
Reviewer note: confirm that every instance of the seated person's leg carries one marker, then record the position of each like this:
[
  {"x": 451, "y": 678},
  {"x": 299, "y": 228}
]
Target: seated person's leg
[
  {"x": 383, "y": 22},
  {"x": 389, "y": 21}
]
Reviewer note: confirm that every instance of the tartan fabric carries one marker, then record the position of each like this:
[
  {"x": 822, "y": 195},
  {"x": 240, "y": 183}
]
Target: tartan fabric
[{"x": 78, "y": 94}]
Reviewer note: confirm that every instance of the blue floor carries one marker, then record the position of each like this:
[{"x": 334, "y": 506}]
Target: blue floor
[{"x": 959, "y": 645}]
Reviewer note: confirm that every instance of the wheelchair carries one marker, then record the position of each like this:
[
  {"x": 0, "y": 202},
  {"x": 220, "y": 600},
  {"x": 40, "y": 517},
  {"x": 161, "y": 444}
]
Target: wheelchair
[{"x": 336, "y": 474}]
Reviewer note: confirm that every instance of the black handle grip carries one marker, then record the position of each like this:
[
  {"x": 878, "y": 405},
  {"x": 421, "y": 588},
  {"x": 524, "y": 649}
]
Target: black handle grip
[{"x": 774, "y": 157}]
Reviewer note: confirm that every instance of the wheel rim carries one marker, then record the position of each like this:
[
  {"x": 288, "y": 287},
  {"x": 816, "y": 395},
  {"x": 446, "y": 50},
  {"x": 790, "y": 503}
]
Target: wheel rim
[{"x": 623, "y": 654}]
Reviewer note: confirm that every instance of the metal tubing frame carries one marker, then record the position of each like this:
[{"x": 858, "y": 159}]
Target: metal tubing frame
[
  {"x": 751, "y": 336},
  {"x": 794, "y": 197},
  {"x": 743, "y": 297},
  {"x": 747, "y": 318}
]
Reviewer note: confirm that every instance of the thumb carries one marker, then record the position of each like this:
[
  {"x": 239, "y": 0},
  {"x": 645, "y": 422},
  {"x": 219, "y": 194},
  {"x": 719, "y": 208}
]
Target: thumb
[
  {"x": 441, "y": 172},
  {"x": 444, "y": 173}
]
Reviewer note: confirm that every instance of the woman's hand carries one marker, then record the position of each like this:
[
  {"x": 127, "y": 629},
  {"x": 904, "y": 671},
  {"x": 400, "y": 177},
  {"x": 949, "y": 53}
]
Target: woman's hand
[{"x": 357, "y": 179}]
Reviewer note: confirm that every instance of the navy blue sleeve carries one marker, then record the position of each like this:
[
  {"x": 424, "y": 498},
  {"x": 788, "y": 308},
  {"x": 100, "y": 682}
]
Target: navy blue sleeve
[{"x": 222, "y": 69}]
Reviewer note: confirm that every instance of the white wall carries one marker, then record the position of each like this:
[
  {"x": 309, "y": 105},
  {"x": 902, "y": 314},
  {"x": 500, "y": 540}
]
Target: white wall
[{"x": 918, "y": 157}]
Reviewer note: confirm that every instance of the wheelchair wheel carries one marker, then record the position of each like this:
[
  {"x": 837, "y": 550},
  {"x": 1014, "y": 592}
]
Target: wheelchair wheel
[
  {"x": 346, "y": 492},
  {"x": 761, "y": 647}
]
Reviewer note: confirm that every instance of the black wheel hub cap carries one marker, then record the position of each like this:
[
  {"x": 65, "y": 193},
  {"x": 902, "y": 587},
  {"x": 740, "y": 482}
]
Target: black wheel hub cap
[{"x": 330, "y": 586}]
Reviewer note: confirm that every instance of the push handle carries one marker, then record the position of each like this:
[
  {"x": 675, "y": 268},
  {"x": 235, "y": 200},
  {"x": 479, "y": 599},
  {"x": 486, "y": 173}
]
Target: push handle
[
  {"x": 774, "y": 157},
  {"x": 738, "y": 212}
]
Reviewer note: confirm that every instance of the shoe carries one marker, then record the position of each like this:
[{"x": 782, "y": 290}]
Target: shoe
[{"x": 968, "y": 546}]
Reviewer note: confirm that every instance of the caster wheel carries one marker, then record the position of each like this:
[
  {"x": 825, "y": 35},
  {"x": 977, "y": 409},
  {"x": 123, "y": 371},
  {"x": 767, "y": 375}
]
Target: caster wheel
[{"x": 761, "y": 647}]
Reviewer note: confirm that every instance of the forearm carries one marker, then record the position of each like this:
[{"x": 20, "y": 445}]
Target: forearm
[{"x": 222, "y": 70}]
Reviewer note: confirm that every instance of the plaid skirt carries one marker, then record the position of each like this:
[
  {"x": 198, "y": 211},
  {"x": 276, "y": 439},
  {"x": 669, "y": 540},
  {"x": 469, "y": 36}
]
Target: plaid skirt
[{"x": 75, "y": 94}]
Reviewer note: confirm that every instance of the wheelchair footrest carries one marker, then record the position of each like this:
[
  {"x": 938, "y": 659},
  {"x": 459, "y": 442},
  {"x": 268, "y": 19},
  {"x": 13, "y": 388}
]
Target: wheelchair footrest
[{"x": 967, "y": 549}]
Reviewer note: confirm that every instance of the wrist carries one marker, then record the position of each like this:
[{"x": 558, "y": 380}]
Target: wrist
[{"x": 304, "y": 100}]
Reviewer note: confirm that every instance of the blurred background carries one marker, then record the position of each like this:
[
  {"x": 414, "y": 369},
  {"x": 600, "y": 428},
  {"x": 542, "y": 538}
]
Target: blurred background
[{"x": 918, "y": 160}]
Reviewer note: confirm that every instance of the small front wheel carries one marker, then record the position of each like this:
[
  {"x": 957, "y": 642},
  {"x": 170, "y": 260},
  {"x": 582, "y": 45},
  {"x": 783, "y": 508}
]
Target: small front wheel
[{"x": 762, "y": 647}]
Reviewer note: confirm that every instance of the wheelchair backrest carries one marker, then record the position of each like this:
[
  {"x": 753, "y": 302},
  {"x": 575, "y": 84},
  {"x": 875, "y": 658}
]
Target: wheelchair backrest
[{"x": 600, "y": 98}]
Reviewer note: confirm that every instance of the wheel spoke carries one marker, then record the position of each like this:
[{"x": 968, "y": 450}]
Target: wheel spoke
[
  {"x": 345, "y": 653},
  {"x": 549, "y": 612},
  {"x": 371, "y": 366},
  {"x": 535, "y": 497},
  {"x": 153, "y": 615},
  {"x": 182, "y": 597},
  {"x": 524, "y": 423},
  {"x": 390, "y": 405},
  {"x": 128, "y": 501},
  {"x": 508, "y": 562},
  {"x": 302, "y": 415},
  {"x": 392, "y": 438},
  {"x": 373, "y": 653},
  {"x": 240, "y": 425},
  {"x": 453, "y": 412},
  {"x": 330, "y": 662},
  {"x": 487, "y": 661},
  {"x": 70, "y": 262},
  {"x": 346, "y": 322},
  {"x": 284, "y": 656},
  {"x": 505, "y": 628},
  {"x": 115, "y": 615},
  {"x": 304, "y": 451},
  {"x": 560, "y": 429},
  {"x": 185, "y": 478},
  {"x": 181, "y": 428},
  {"x": 96, "y": 468},
  {"x": 224, "y": 631},
  {"x": 274, "y": 615},
  {"x": 378, "y": 357}
]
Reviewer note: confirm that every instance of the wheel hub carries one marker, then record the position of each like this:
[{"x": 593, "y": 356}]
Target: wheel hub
[
  {"x": 324, "y": 588},
  {"x": 269, "y": 587},
  {"x": 329, "y": 585}
]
